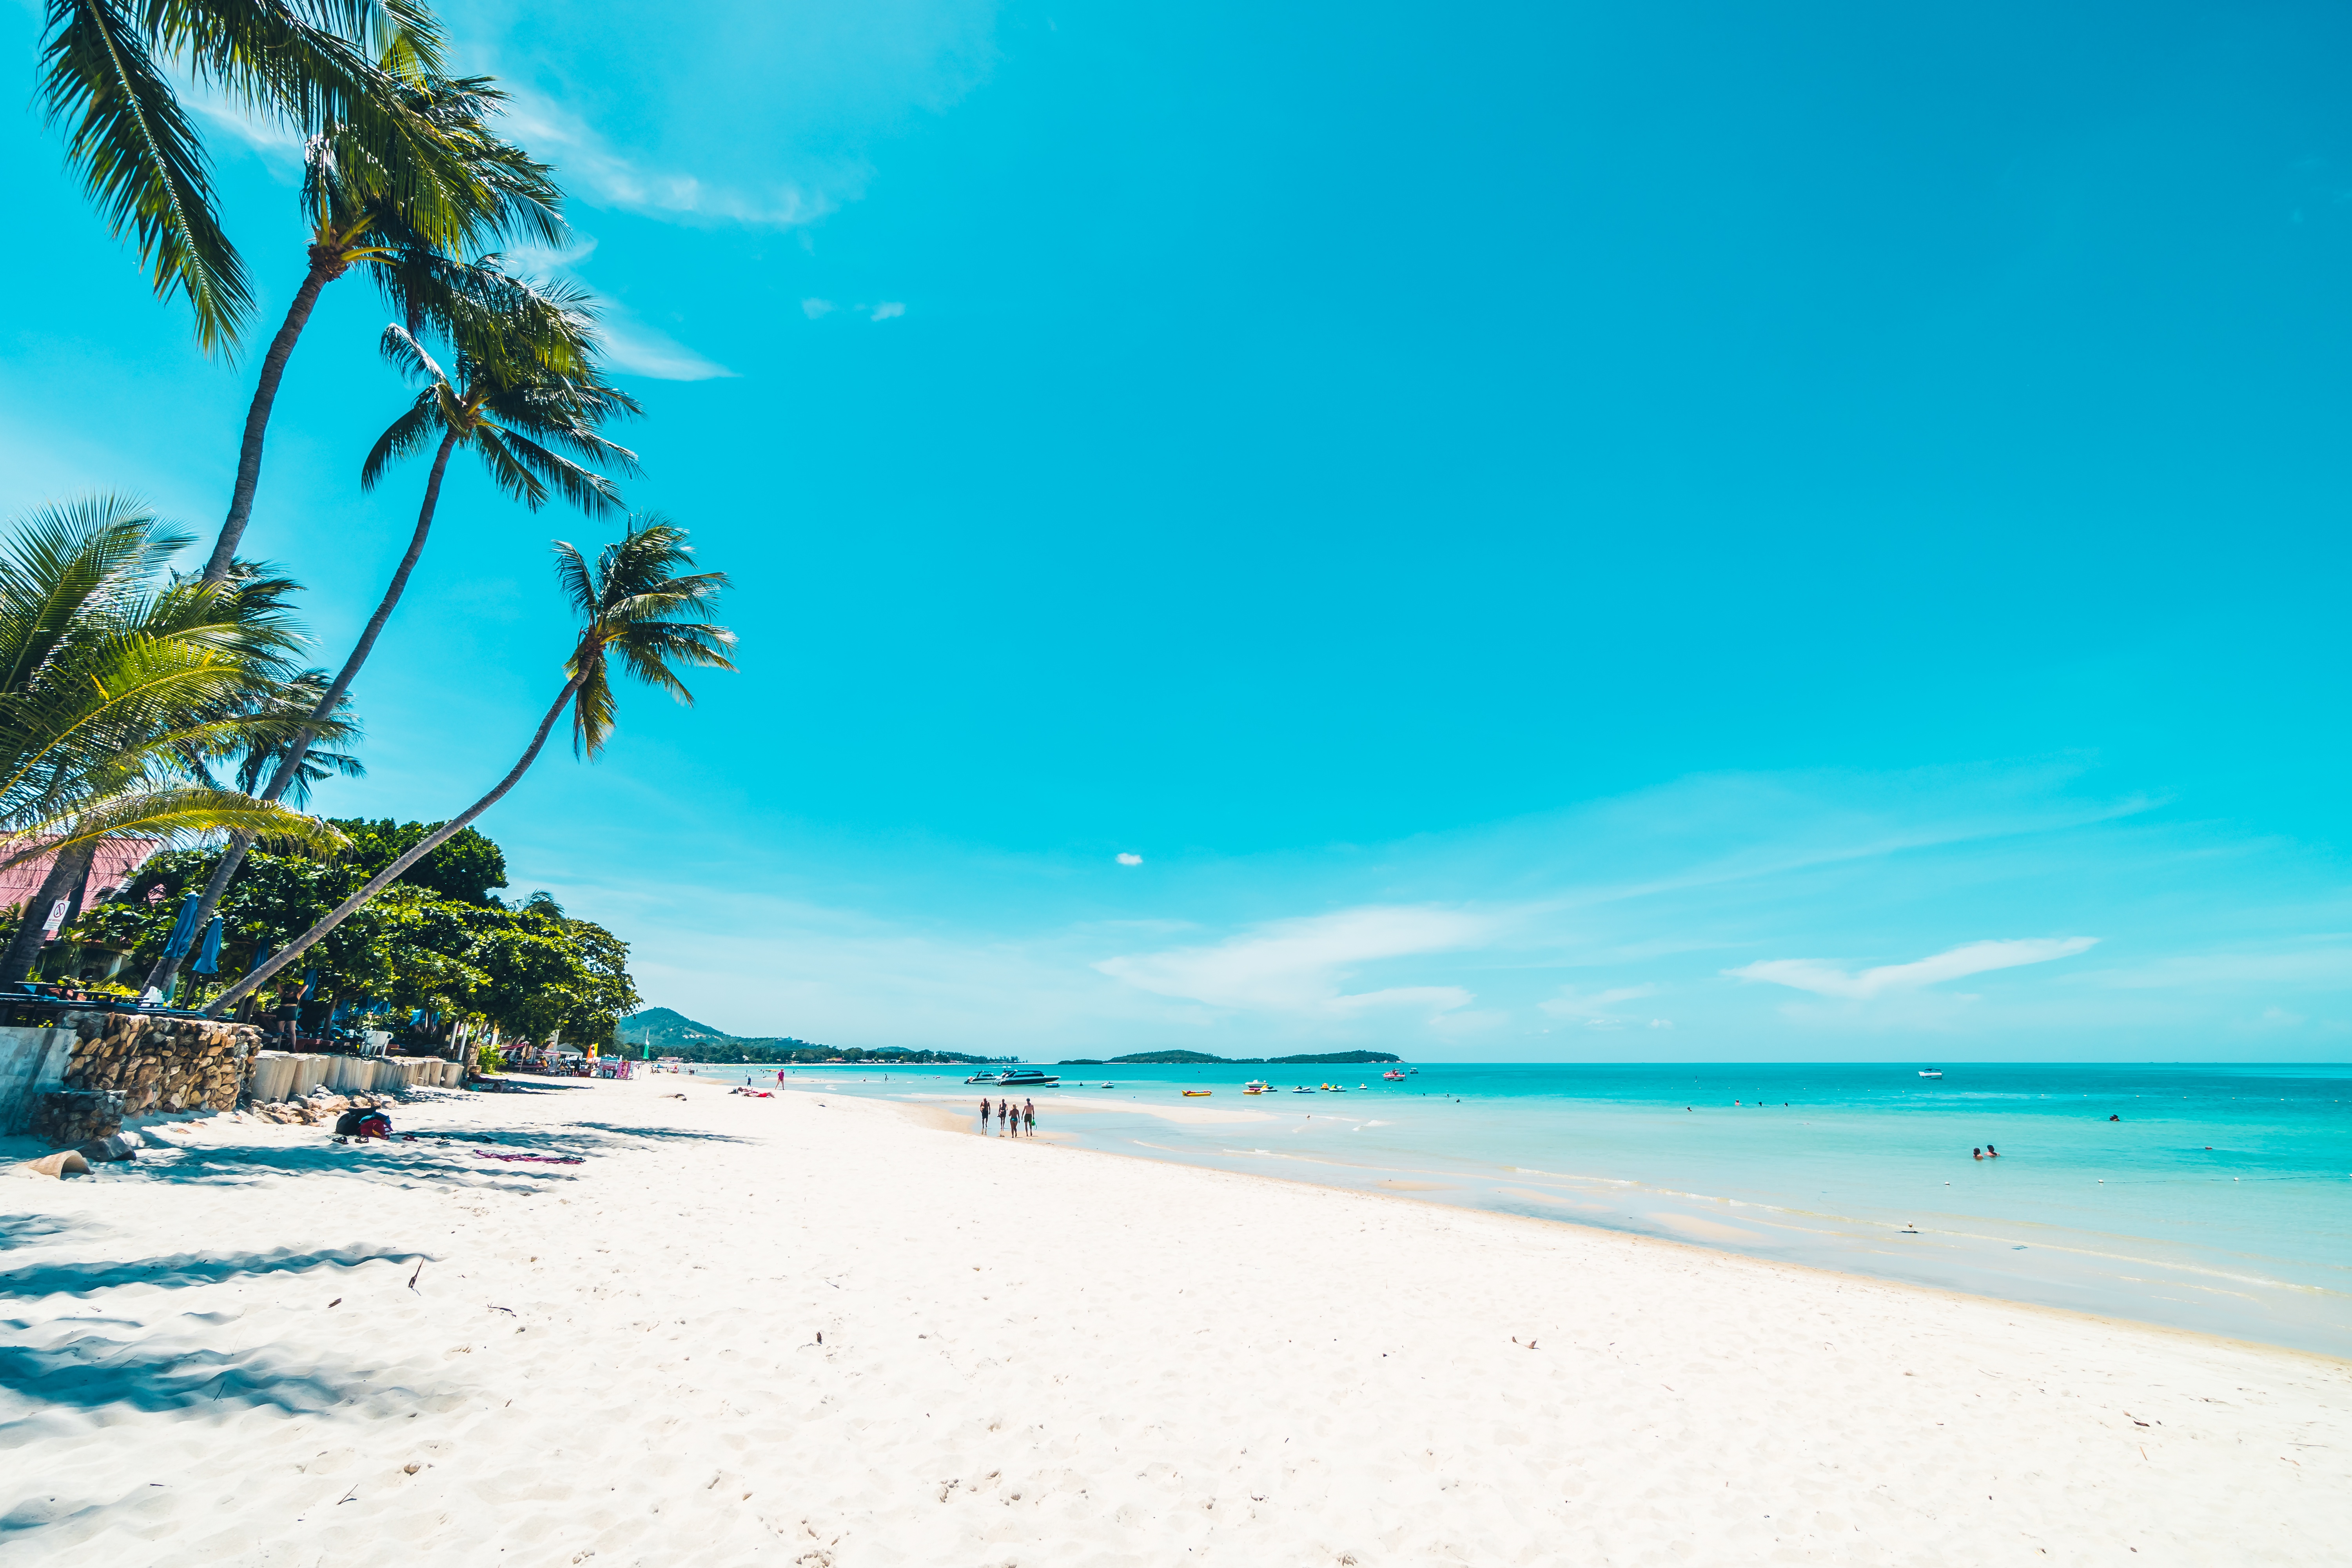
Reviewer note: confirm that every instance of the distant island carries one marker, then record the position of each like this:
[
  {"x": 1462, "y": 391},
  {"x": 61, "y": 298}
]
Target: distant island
[
  {"x": 1187, "y": 1059},
  {"x": 665, "y": 1032}
]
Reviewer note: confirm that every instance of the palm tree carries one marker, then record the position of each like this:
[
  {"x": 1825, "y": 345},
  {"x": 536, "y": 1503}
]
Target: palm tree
[
  {"x": 300, "y": 701},
  {"x": 409, "y": 238},
  {"x": 107, "y": 75},
  {"x": 510, "y": 404},
  {"x": 111, "y": 676},
  {"x": 634, "y": 606}
]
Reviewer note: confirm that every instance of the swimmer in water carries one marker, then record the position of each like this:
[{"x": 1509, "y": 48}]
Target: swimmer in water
[
  {"x": 1978, "y": 1153},
  {"x": 1991, "y": 1153}
]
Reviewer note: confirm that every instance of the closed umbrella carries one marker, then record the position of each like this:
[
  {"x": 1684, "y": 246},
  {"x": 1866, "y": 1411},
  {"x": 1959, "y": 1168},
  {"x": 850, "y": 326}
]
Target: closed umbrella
[
  {"x": 184, "y": 929},
  {"x": 208, "y": 957}
]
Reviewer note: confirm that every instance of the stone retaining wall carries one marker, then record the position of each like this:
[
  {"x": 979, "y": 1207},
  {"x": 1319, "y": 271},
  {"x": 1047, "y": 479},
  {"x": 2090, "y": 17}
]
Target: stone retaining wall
[{"x": 161, "y": 1064}]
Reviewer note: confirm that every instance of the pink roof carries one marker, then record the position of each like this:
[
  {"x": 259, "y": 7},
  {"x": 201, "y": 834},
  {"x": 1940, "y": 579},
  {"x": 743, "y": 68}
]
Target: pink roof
[{"x": 116, "y": 859}]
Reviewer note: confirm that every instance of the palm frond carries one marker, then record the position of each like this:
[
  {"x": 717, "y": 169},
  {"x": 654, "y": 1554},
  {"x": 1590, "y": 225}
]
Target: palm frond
[
  {"x": 141, "y": 162},
  {"x": 403, "y": 438}
]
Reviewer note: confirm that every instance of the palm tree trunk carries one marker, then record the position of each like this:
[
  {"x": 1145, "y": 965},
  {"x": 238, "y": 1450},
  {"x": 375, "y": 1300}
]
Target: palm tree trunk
[
  {"x": 66, "y": 872},
  {"x": 165, "y": 968},
  {"x": 391, "y": 874},
  {"x": 325, "y": 268}
]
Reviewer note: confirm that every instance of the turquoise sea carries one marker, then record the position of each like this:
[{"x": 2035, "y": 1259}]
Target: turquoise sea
[{"x": 2219, "y": 1199}]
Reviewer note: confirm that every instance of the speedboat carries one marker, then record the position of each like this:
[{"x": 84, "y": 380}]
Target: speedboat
[
  {"x": 1931, "y": 1072},
  {"x": 1393, "y": 1076},
  {"x": 981, "y": 1078},
  {"x": 1255, "y": 1086},
  {"x": 1302, "y": 1088},
  {"x": 1024, "y": 1078}
]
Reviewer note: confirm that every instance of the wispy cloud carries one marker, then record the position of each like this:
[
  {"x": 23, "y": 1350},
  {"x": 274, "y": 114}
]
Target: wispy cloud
[
  {"x": 1973, "y": 958},
  {"x": 1300, "y": 965},
  {"x": 635, "y": 184},
  {"x": 816, "y": 310},
  {"x": 630, "y": 342},
  {"x": 635, "y": 347},
  {"x": 890, "y": 309}
]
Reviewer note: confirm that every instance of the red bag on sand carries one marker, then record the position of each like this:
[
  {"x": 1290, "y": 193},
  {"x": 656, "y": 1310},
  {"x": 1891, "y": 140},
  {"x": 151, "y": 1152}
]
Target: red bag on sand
[{"x": 358, "y": 1123}]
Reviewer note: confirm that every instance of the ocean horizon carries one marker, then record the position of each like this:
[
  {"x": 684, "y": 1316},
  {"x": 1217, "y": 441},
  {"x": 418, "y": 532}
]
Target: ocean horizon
[{"x": 2215, "y": 1197}]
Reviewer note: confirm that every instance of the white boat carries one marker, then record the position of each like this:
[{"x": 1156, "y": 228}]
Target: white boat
[
  {"x": 1027, "y": 1078},
  {"x": 1931, "y": 1072}
]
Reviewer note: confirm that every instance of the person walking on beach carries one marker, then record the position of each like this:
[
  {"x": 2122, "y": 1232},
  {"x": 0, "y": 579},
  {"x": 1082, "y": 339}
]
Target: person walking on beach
[
  {"x": 984, "y": 1115},
  {"x": 288, "y": 1018},
  {"x": 1029, "y": 1115}
]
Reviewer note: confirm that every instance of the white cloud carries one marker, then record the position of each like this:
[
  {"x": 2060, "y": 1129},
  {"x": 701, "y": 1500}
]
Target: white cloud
[
  {"x": 1130, "y": 859},
  {"x": 815, "y": 308},
  {"x": 588, "y": 164},
  {"x": 629, "y": 343},
  {"x": 889, "y": 309},
  {"x": 1431, "y": 999},
  {"x": 1572, "y": 1004},
  {"x": 2328, "y": 967},
  {"x": 1972, "y": 958},
  {"x": 1299, "y": 965},
  {"x": 634, "y": 346}
]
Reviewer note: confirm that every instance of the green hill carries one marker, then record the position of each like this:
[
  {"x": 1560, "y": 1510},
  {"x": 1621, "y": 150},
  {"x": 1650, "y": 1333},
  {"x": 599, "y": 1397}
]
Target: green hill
[{"x": 665, "y": 1032}]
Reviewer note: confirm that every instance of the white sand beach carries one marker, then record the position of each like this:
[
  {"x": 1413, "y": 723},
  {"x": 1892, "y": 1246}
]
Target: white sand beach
[{"x": 818, "y": 1330}]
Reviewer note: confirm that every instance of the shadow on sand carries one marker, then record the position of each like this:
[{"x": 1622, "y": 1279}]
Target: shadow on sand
[{"x": 181, "y": 1269}]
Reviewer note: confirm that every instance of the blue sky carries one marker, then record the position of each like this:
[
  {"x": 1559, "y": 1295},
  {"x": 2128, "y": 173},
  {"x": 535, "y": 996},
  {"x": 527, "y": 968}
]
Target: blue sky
[{"x": 1538, "y": 532}]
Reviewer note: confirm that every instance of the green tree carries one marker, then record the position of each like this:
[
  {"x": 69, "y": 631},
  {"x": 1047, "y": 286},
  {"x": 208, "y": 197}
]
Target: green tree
[
  {"x": 464, "y": 867},
  {"x": 114, "y": 675},
  {"x": 411, "y": 237},
  {"x": 108, "y": 71},
  {"x": 637, "y": 606},
  {"x": 513, "y": 408}
]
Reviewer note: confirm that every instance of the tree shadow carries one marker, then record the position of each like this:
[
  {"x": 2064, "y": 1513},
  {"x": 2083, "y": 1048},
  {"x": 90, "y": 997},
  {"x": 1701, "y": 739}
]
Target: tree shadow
[
  {"x": 93, "y": 1372},
  {"x": 431, "y": 1158},
  {"x": 40, "y": 1279}
]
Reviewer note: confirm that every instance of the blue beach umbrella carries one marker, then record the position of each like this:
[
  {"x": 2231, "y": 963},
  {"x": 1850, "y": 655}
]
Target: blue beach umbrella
[
  {"x": 184, "y": 929},
  {"x": 208, "y": 956},
  {"x": 310, "y": 983}
]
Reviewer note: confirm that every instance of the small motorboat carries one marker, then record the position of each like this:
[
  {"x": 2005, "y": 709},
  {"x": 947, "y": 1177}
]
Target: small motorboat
[
  {"x": 981, "y": 1078},
  {"x": 1931, "y": 1072},
  {"x": 1393, "y": 1076},
  {"x": 1198, "y": 1093},
  {"x": 1254, "y": 1087},
  {"x": 1302, "y": 1088}
]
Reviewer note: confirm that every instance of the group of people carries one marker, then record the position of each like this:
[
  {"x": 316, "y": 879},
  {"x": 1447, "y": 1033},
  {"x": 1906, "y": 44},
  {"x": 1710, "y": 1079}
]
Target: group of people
[
  {"x": 1987, "y": 1153},
  {"x": 1009, "y": 1117}
]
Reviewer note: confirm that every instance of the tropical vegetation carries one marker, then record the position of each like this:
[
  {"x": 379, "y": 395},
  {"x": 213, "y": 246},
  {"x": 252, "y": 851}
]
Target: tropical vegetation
[
  {"x": 442, "y": 940},
  {"x": 144, "y": 702}
]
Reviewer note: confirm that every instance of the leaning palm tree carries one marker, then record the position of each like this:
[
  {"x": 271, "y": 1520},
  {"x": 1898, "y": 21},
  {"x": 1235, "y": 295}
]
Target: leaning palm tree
[
  {"x": 635, "y": 605},
  {"x": 511, "y": 404},
  {"x": 108, "y": 77},
  {"x": 112, "y": 674},
  {"x": 410, "y": 236}
]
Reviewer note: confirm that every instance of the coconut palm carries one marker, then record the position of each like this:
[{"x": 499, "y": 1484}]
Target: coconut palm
[
  {"x": 510, "y": 403},
  {"x": 107, "y": 75},
  {"x": 410, "y": 236},
  {"x": 111, "y": 676},
  {"x": 314, "y": 713},
  {"x": 636, "y": 606}
]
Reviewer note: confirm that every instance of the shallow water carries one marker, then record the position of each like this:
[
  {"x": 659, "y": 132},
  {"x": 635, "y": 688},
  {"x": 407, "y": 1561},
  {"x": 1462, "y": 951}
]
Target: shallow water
[{"x": 2219, "y": 1200}]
